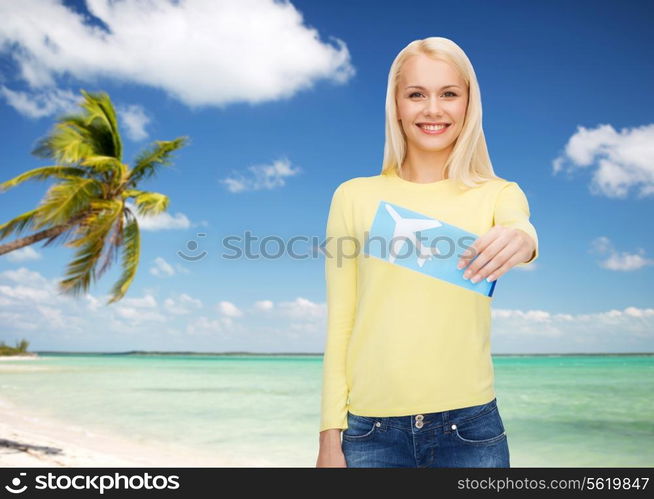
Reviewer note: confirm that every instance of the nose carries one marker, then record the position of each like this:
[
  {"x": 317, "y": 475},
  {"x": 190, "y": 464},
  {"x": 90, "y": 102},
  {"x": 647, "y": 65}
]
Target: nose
[{"x": 433, "y": 107}]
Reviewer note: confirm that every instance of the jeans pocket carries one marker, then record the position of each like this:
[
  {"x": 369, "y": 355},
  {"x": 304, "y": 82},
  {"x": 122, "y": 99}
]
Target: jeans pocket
[
  {"x": 359, "y": 428},
  {"x": 483, "y": 430}
]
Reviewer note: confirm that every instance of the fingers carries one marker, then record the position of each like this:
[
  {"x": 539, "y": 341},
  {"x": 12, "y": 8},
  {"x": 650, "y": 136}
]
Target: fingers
[
  {"x": 494, "y": 252},
  {"x": 498, "y": 266},
  {"x": 477, "y": 247},
  {"x": 471, "y": 252}
]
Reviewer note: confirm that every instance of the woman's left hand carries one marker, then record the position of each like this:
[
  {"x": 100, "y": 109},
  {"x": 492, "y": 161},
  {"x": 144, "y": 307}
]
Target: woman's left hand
[{"x": 497, "y": 251}]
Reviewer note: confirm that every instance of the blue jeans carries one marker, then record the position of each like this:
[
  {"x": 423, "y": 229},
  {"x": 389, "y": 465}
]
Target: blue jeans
[{"x": 471, "y": 437}]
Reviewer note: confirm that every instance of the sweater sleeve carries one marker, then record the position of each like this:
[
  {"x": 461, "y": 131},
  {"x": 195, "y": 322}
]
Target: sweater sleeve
[
  {"x": 341, "y": 281},
  {"x": 512, "y": 210}
]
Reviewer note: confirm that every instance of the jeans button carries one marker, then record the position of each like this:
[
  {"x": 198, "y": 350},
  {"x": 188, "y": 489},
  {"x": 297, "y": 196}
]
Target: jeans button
[{"x": 419, "y": 424}]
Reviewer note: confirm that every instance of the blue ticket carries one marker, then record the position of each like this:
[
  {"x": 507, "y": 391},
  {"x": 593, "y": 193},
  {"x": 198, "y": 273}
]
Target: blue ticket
[{"x": 423, "y": 244}]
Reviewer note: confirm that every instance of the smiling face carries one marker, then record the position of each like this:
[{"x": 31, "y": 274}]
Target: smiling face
[{"x": 432, "y": 92}]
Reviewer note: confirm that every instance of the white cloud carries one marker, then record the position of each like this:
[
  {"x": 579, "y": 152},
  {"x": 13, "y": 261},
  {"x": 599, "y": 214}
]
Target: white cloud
[
  {"x": 23, "y": 275},
  {"x": 181, "y": 269},
  {"x": 262, "y": 177},
  {"x": 302, "y": 319},
  {"x": 23, "y": 255},
  {"x": 33, "y": 303},
  {"x": 619, "y": 161},
  {"x": 30, "y": 302},
  {"x": 93, "y": 303},
  {"x": 134, "y": 119},
  {"x": 17, "y": 321},
  {"x": 53, "y": 316},
  {"x": 264, "y": 305},
  {"x": 616, "y": 260},
  {"x": 45, "y": 103},
  {"x": 301, "y": 308},
  {"x": 539, "y": 331},
  {"x": 228, "y": 309},
  {"x": 21, "y": 292},
  {"x": 201, "y": 52},
  {"x": 205, "y": 326},
  {"x": 136, "y": 315},
  {"x": 626, "y": 261},
  {"x": 148, "y": 301},
  {"x": 162, "y": 221},
  {"x": 612, "y": 322},
  {"x": 184, "y": 304},
  {"x": 161, "y": 268}
]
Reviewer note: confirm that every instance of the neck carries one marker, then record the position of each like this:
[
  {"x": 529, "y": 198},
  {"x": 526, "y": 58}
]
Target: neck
[{"x": 424, "y": 166}]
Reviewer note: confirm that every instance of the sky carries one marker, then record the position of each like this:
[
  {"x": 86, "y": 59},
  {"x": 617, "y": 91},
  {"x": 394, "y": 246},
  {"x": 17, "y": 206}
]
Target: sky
[{"x": 282, "y": 102}]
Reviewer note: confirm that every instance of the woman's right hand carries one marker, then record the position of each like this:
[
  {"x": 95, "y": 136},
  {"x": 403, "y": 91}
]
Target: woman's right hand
[{"x": 330, "y": 454}]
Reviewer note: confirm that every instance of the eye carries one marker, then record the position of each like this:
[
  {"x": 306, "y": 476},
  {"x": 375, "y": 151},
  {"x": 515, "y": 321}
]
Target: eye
[{"x": 419, "y": 93}]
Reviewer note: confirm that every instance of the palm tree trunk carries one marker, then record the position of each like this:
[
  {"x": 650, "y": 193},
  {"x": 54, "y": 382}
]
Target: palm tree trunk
[{"x": 35, "y": 238}]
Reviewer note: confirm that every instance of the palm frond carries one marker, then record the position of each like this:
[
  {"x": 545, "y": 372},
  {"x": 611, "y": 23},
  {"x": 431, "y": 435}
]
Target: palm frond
[
  {"x": 102, "y": 215},
  {"x": 99, "y": 107},
  {"x": 131, "y": 252},
  {"x": 102, "y": 164},
  {"x": 112, "y": 170},
  {"x": 112, "y": 245},
  {"x": 80, "y": 273},
  {"x": 65, "y": 199},
  {"x": 92, "y": 131},
  {"x": 150, "y": 203},
  {"x": 43, "y": 173},
  {"x": 73, "y": 228},
  {"x": 159, "y": 154},
  {"x": 62, "y": 237},
  {"x": 18, "y": 224},
  {"x": 69, "y": 141}
]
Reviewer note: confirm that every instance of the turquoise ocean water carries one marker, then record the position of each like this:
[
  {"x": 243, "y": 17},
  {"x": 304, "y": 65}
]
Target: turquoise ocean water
[{"x": 587, "y": 410}]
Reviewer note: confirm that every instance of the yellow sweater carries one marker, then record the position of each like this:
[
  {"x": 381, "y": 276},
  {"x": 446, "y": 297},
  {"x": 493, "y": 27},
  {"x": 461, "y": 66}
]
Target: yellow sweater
[{"x": 399, "y": 340}]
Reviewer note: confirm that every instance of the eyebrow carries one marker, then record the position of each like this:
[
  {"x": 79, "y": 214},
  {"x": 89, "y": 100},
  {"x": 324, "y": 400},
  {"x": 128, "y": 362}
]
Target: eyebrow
[{"x": 423, "y": 88}]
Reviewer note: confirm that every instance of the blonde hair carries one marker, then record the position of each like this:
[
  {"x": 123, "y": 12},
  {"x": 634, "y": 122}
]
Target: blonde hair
[{"x": 469, "y": 161}]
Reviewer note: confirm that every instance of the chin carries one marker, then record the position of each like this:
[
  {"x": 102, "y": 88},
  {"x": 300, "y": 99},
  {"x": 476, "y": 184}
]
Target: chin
[{"x": 432, "y": 146}]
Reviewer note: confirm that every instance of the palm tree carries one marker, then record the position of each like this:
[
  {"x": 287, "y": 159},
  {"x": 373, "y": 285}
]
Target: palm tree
[
  {"x": 88, "y": 200},
  {"x": 21, "y": 346}
]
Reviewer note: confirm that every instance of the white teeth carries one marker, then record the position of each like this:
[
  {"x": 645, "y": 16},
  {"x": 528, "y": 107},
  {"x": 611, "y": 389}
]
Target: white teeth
[{"x": 433, "y": 128}]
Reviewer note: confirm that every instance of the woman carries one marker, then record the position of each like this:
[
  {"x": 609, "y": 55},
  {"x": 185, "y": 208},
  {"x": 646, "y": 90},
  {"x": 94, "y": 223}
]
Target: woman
[{"x": 408, "y": 374}]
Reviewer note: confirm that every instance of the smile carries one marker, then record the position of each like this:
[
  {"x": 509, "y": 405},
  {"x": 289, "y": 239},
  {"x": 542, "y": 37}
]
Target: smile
[{"x": 433, "y": 129}]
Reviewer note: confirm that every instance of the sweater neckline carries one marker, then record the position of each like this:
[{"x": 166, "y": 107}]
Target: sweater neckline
[{"x": 420, "y": 186}]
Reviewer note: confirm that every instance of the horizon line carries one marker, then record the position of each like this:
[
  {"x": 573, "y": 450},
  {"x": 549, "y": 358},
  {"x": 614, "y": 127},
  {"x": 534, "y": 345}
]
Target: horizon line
[{"x": 190, "y": 352}]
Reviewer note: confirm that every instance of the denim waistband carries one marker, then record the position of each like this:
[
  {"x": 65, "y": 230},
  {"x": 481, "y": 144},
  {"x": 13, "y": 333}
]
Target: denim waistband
[{"x": 432, "y": 420}]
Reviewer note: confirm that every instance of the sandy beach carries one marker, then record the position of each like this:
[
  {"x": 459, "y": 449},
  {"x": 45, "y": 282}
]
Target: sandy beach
[{"x": 29, "y": 440}]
